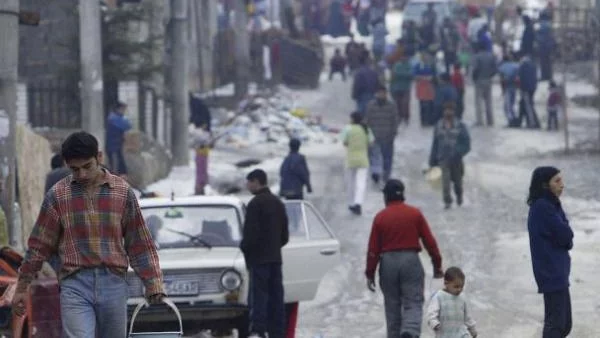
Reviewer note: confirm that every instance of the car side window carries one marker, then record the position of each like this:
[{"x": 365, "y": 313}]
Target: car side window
[
  {"x": 296, "y": 220},
  {"x": 316, "y": 225}
]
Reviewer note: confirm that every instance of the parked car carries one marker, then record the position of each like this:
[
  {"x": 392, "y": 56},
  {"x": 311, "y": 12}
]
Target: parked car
[
  {"x": 204, "y": 270},
  {"x": 414, "y": 9}
]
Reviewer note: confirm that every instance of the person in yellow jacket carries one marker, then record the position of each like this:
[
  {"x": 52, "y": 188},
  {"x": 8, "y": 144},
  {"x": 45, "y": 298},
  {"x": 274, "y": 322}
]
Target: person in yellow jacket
[{"x": 356, "y": 137}]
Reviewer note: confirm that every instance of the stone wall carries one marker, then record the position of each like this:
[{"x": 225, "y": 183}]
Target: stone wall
[
  {"x": 33, "y": 163},
  {"x": 147, "y": 161}
]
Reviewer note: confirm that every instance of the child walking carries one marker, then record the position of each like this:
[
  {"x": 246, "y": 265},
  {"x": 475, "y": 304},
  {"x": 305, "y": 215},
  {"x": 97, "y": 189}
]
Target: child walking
[
  {"x": 447, "y": 313},
  {"x": 554, "y": 103}
]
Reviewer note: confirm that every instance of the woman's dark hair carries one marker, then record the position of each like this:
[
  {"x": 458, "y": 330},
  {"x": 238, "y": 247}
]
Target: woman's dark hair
[
  {"x": 356, "y": 117},
  {"x": 453, "y": 274},
  {"x": 79, "y": 146},
  {"x": 539, "y": 183}
]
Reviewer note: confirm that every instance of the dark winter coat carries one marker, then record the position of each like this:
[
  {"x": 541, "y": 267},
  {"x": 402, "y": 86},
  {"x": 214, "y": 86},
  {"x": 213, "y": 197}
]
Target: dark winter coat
[
  {"x": 294, "y": 175},
  {"x": 449, "y": 144},
  {"x": 528, "y": 77},
  {"x": 54, "y": 176},
  {"x": 337, "y": 63},
  {"x": 365, "y": 83},
  {"x": 528, "y": 38},
  {"x": 116, "y": 127},
  {"x": 484, "y": 66},
  {"x": 382, "y": 119},
  {"x": 545, "y": 38},
  {"x": 550, "y": 239},
  {"x": 445, "y": 92},
  {"x": 199, "y": 113},
  {"x": 265, "y": 229},
  {"x": 450, "y": 38}
]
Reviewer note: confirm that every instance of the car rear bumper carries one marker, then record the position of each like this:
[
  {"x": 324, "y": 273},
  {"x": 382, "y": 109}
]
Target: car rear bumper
[{"x": 196, "y": 313}]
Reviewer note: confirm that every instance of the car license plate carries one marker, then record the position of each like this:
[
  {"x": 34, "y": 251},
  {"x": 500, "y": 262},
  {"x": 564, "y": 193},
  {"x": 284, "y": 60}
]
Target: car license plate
[{"x": 181, "y": 288}]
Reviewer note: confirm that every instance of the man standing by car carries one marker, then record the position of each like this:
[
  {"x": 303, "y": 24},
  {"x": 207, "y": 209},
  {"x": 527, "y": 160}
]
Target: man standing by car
[
  {"x": 265, "y": 233},
  {"x": 394, "y": 241},
  {"x": 116, "y": 127},
  {"x": 92, "y": 220}
]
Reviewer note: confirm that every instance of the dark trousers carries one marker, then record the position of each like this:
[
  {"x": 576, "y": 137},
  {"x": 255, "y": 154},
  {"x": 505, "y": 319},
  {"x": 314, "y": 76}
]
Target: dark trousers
[
  {"x": 427, "y": 113},
  {"x": 552, "y": 119},
  {"x": 557, "y": 314},
  {"x": 546, "y": 66},
  {"x": 460, "y": 103},
  {"x": 450, "y": 59},
  {"x": 452, "y": 173},
  {"x": 116, "y": 161},
  {"x": 527, "y": 110},
  {"x": 265, "y": 300},
  {"x": 387, "y": 155},
  {"x": 342, "y": 72},
  {"x": 402, "y": 99}
]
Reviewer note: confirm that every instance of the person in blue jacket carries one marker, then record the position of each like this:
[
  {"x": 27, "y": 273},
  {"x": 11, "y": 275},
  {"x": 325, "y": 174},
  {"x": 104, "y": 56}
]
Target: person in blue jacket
[
  {"x": 116, "y": 127},
  {"x": 294, "y": 174},
  {"x": 550, "y": 239}
]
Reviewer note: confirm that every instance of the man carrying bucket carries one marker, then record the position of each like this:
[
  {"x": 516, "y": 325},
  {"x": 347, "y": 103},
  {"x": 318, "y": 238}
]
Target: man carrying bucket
[
  {"x": 451, "y": 142},
  {"x": 92, "y": 220}
]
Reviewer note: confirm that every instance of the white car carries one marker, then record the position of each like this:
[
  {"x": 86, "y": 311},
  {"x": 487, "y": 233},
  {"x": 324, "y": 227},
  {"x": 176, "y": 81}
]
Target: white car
[{"x": 204, "y": 270}]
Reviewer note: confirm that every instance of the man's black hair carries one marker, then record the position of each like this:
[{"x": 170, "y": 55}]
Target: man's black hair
[
  {"x": 258, "y": 175},
  {"x": 120, "y": 105},
  {"x": 295, "y": 145},
  {"x": 79, "y": 146},
  {"x": 454, "y": 273},
  {"x": 57, "y": 161},
  {"x": 445, "y": 77}
]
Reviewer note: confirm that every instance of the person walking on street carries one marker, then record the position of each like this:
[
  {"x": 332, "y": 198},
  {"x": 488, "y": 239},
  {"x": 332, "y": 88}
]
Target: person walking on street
[
  {"x": 528, "y": 82},
  {"x": 337, "y": 64},
  {"x": 445, "y": 92},
  {"x": 401, "y": 83},
  {"x": 294, "y": 174},
  {"x": 366, "y": 81},
  {"x": 265, "y": 233},
  {"x": 554, "y": 105},
  {"x": 509, "y": 76},
  {"x": 58, "y": 172},
  {"x": 93, "y": 285},
  {"x": 394, "y": 245},
  {"x": 447, "y": 313},
  {"x": 450, "y": 39},
  {"x": 484, "y": 69},
  {"x": 458, "y": 81},
  {"x": 382, "y": 120},
  {"x": 116, "y": 127},
  {"x": 425, "y": 74},
  {"x": 451, "y": 142},
  {"x": 550, "y": 240},
  {"x": 357, "y": 138},
  {"x": 546, "y": 46}
]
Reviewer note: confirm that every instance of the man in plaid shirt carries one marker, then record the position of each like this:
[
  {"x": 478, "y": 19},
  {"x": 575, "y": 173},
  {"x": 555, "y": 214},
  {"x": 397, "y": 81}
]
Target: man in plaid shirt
[{"x": 92, "y": 220}]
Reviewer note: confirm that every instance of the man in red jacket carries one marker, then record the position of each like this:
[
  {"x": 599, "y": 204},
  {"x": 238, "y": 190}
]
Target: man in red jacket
[{"x": 394, "y": 241}]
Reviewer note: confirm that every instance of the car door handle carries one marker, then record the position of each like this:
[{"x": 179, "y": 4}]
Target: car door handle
[{"x": 328, "y": 252}]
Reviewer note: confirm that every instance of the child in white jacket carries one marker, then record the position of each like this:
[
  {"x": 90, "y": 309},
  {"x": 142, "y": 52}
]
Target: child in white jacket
[{"x": 447, "y": 313}]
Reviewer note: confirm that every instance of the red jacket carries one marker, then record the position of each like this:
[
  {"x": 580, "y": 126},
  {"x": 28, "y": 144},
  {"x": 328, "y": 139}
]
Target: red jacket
[
  {"x": 457, "y": 79},
  {"x": 400, "y": 227}
]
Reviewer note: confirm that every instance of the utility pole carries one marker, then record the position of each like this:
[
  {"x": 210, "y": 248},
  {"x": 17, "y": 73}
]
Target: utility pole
[
  {"x": 179, "y": 82},
  {"x": 92, "y": 85},
  {"x": 9, "y": 64},
  {"x": 242, "y": 49}
]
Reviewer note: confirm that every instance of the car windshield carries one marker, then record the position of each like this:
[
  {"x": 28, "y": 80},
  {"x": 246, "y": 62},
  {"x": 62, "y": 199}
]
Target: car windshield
[
  {"x": 414, "y": 11},
  {"x": 193, "y": 226}
]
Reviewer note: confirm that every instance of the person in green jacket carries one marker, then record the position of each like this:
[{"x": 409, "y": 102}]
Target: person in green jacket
[
  {"x": 356, "y": 137},
  {"x": 402, "y": 76}
]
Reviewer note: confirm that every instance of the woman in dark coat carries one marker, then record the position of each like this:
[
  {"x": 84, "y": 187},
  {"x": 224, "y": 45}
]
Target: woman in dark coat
[{"x": 550, "y": 239}]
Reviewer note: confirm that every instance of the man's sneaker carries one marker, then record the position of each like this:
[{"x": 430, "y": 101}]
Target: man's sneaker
[
  {"x": 356, "y": 209},
  {"x": 459, "y": 201},
  {"x": 448, "y": 206}
]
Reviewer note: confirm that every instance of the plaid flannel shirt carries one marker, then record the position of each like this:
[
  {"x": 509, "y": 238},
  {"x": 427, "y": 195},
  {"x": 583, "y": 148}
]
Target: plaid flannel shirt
[{"x": 104, "y": 230}]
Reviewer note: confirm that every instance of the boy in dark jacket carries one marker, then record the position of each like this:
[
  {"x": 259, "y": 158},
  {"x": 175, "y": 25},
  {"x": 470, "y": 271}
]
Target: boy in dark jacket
[
  {"x": 553, "y": 105},
  {"x": 294, "y": 174},
  {"x": 451, "y": 142},
  {"x": 337, "y": 65},
  {"x": 265, "y": 233}
]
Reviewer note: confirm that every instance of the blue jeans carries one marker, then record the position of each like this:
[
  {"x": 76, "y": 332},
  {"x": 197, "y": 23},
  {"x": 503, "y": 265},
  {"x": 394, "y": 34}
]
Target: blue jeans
[
  {"x": 387, "y": 154},
  {"x": 94, "y": 300},
  {"x": 510, "y": 96},
  {"x": 265, "y": 299}
]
